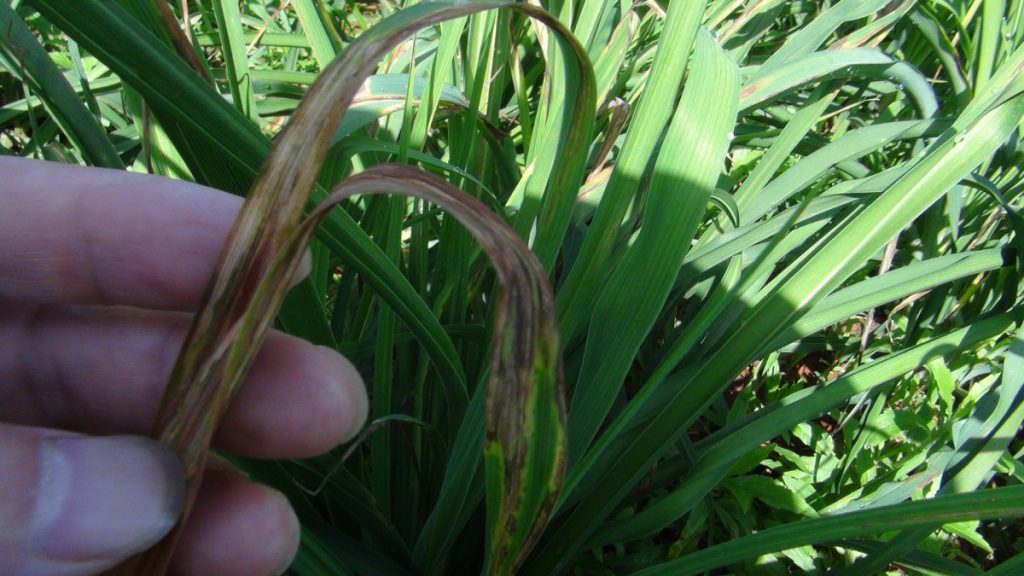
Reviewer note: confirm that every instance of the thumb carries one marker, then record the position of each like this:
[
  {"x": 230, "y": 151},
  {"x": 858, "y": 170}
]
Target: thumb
[{"x": 75, "y": 505}]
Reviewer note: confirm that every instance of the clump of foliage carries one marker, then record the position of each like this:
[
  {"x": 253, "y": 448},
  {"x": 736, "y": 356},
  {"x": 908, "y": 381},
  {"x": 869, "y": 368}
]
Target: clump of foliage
[{"x": 784, "y": 240}]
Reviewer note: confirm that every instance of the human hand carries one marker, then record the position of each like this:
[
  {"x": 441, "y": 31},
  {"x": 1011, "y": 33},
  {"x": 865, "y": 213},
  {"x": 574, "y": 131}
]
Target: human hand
[{"x": 98, "y": 271}]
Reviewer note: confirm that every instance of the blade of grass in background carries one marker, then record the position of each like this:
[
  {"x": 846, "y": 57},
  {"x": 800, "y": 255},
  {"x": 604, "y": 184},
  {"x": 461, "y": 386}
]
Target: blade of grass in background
[
  {"x": 21, "y": 52},
  {"x": 323, "y": 39},
  {"x": 992, "y": 503},
  {"x": 688, "y": 166},
  {"x": 229, "y": 27},
  {"x": 579, "y": 291}
]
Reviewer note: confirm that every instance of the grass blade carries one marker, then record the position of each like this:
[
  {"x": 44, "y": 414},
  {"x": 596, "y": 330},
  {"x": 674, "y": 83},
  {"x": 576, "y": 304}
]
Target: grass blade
[
  {"x": 580, "y": 291},
  {"x": 984, "y": 504},
  {"x": 320, "y": 34},
  {"x": 232, "y": 44},
  {"x": 23, "y": 54},
  {"x": 685, "y": 173}
]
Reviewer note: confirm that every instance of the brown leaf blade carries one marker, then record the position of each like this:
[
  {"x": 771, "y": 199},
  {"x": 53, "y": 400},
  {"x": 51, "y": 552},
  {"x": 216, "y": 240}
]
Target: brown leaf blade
[{"x": 525, "y": 446}]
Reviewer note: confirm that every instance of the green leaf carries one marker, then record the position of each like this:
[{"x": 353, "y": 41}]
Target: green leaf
[
  {"x": 770, "y": 491},
  {"x": 943, "y": 380}
]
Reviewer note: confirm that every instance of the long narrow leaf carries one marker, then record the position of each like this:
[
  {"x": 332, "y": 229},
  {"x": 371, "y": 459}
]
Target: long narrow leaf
[{"x": 984, "y": 505}]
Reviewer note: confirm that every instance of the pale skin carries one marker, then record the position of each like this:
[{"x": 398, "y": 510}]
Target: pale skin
[{"x": 100, "y": 271}]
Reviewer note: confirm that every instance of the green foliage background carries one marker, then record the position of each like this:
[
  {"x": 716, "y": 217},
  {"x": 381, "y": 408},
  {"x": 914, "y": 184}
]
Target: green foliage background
[{"x": 788, "y": 275}]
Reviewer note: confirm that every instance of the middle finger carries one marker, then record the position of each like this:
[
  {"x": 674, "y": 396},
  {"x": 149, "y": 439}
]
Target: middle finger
[{"x": 103, "y": 370}]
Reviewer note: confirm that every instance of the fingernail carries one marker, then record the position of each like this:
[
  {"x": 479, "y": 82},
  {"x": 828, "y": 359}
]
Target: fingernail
[
  {"x": 349, "y": 394},
  {"x": 293, "y": 529},
  {"x": 107, "y": 497}
]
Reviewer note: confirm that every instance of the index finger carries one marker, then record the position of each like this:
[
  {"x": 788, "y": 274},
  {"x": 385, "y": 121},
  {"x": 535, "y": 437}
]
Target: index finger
[{"x": 97, "y": 236}]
